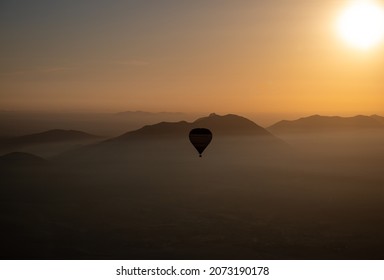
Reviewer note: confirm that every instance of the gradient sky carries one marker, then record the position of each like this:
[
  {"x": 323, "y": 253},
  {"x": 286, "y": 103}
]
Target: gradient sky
[{"x": 224, "y": 56}]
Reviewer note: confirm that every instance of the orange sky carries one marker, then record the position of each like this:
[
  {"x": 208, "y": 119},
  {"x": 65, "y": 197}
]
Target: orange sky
[{"x": 201, "y": 56}]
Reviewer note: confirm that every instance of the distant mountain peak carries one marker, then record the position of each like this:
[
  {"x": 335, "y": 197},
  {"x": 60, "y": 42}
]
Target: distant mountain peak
[
  {"x": 230, "y": 125},
  {"x": 317, "y": 123},
  {"x": 378, "y": 118}
]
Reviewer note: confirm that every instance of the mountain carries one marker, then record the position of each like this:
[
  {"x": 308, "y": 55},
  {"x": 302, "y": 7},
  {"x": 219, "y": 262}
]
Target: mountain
[
  {"x": 231, "y": 125},
  {"x": 47, "y": 143},
  {"x": 21, "y": 159},
  {"x": 378, "y": 118},
  {"x": 144, "y": 118},
  {"x": 54, "y": 135},
  {"x": 228, "y": 125},
  {"x": 318, "y": 123},
  {"x": 163, "y": 129},
  {"x": 110, "y": 124}
]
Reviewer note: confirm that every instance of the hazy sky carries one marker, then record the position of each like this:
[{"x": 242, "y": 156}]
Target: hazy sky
[{"x": 224, "y": 56}]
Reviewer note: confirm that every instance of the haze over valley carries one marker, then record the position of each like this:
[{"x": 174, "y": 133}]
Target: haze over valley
[
  {"x": 107, "y": 106},
  {"x": 146, "y": 194}
]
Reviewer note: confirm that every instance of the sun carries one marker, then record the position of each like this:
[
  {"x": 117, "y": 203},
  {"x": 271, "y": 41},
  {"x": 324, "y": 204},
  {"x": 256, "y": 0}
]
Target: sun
[{"x": 362, "y": 24}]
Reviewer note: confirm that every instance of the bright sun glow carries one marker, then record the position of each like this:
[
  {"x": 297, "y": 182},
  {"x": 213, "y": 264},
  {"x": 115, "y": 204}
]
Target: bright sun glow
[{"x": 362, "y": 24}]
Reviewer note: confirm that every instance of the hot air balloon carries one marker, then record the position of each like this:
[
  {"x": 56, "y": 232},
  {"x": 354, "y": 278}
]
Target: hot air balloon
[{"x": 200, "y": 138}]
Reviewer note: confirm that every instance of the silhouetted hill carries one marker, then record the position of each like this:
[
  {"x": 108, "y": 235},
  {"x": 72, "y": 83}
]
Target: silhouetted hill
[
  {"x": 163, "y": 129},
  {"x": 378, "y": 118},
  {"x": 50, "y": 136},
  {"x": 231, "y": 125},
  {"x": 318, "y": 123},
  {"x": 48, "y": 143},
  {"x": 21, "y": 159},
  {"x": 19, "y": 123},
  {"x": 228, "y": 125},
  {"x": 144, "y": 115}
]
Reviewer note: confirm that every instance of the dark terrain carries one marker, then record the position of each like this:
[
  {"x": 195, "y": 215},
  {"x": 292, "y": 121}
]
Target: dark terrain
[
  {"x": 147, "y": 195},
  {"x": 48, "y": 143}
]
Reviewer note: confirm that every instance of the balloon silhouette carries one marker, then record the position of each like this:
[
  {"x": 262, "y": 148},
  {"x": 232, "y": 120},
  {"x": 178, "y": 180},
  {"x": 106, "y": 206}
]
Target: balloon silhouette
[{"x": 200, "y": 138}]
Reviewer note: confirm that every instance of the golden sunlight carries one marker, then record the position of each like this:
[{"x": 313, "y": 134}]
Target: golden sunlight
[{"x": 362, "y": 24}]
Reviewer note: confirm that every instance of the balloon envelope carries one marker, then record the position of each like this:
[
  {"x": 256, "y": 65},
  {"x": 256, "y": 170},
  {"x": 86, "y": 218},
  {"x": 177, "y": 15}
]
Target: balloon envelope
[{"x": 200, "y": 138}]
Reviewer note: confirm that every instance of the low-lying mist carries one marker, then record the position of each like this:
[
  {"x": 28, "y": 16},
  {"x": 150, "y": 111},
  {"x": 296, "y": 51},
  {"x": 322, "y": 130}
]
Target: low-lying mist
[{"x": 244, "y": 199}]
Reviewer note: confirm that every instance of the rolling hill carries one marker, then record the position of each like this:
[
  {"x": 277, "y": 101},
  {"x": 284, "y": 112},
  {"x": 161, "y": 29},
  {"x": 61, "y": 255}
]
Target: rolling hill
[
  {"x": 228, "y": 125},
  {"x": 54, "y": 135},
  {"x": 19, "y": 160},
  {"x": 47, "y": 143}
]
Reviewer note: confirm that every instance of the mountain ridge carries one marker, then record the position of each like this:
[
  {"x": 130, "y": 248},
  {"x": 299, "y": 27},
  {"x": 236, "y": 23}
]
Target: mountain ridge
[
  {"x": 226, "y": 125},
  {"x": 52, "y": 135},
  {"x": 318, "y": 123},
  {"x": 21, "y": 159}
]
